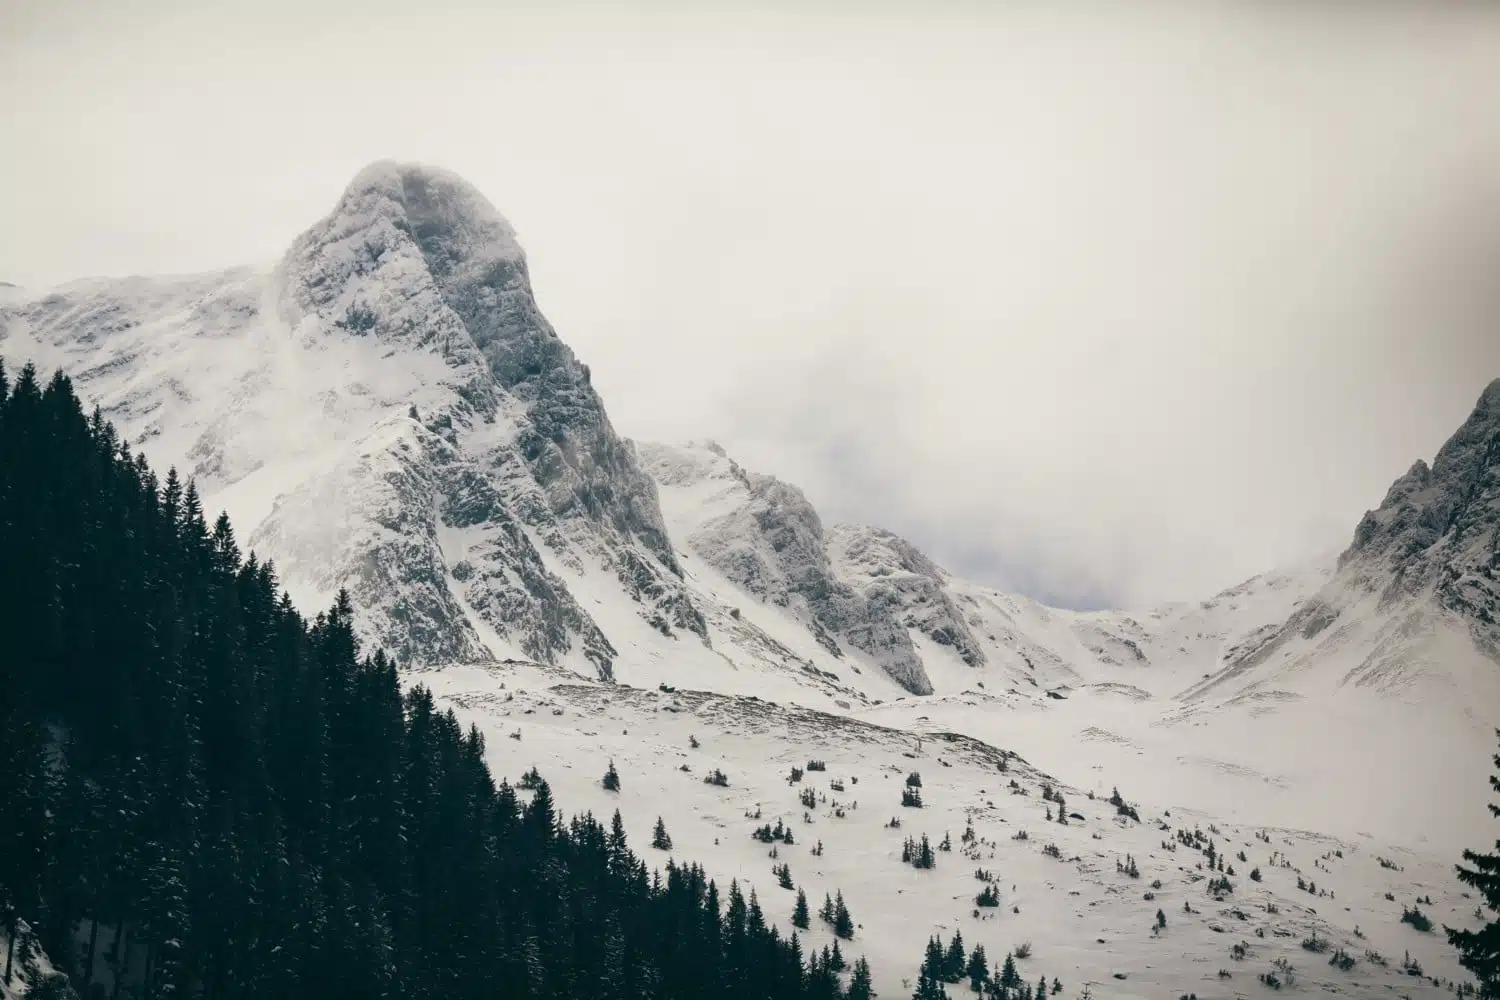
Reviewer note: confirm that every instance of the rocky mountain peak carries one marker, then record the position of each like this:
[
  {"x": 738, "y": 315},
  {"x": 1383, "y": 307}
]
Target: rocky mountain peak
[
  {"x": 1438, "y": 529},
  {"x": 453, "y": 222}
]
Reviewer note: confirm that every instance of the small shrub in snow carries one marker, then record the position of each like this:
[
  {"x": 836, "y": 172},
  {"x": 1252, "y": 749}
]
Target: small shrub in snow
[
  {"x": 1341, "y": 960},
  {"x": 1023, "y": 950},
  {"x": 716, "y": 777},
  {"x": 1415, "y": 917},
  {"x": 611, "y": 780},
  {"x": 816, "y": 765},
  {"x": 911, "y": 798},
  {"x": 1315, "y": 944}
]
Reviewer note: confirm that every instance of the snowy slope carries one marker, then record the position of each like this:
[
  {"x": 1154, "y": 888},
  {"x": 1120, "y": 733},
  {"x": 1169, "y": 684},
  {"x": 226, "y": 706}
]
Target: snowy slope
[{"x": 1087, "y": 922}]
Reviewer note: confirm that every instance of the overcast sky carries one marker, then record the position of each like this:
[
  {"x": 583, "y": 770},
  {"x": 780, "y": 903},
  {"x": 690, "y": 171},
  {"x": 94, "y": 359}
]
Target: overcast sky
[{"x": 1112, "y": 304}]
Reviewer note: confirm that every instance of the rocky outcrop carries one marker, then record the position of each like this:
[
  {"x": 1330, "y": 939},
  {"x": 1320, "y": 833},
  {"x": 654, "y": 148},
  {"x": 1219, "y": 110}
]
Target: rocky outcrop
[
  {"x": 894, "y": 574},
  {"x": 1438, "y": 528},
  {"x": 770, "y": 541}
]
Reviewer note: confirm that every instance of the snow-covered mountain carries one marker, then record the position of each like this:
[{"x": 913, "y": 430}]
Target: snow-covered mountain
[
  {"x": 1410, "y": 609},
  {"x": 386, "y": 409}
]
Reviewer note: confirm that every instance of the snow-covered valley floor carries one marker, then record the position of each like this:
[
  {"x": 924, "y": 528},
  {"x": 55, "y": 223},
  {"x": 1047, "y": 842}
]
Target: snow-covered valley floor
[{"x": 1087, "y": 921}]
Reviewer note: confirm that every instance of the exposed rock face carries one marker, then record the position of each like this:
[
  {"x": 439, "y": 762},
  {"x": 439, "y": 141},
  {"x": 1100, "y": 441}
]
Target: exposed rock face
[
  {"x": 1437, "y": 527},
  {"x": 770, "y": 541},
  {"x": 891, "y": 573}
]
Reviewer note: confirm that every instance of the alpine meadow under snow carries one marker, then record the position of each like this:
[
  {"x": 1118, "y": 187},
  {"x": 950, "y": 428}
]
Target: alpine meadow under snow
[{"x": 1250, "y": 793}]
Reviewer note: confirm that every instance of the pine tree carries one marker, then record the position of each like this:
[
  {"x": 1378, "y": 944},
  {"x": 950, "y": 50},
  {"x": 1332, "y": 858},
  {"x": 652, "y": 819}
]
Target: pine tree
[
  {"x": 611, "y": 780},
  {"x": 1009, "y": 977},
  {"x": 836, "y": 959},
  {"x": 955, "y": 961},
  {"x": 659, "y": 838},
  {"x": 799, "y": 914},
  {"x": 979, "y": 968},
  {"x": 860, "y": 986},
  {"x": 1479, "y": 951},
  {"x": 843, "y": 924},
  {"x": 930, "y": 977},
  {"x": 825, "y": 912}
]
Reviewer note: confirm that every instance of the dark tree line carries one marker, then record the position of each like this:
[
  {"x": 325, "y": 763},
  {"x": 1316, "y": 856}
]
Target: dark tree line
[{"x": 204, "y": 794}]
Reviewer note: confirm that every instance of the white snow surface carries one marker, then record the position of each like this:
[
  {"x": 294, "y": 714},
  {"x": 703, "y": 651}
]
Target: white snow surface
[{"x": 385, "y": 409}]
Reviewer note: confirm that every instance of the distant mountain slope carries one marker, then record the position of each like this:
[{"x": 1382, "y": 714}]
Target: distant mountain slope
[
  {"x": 1410, "y": 612},
  {"x": 868, "y": 594}
]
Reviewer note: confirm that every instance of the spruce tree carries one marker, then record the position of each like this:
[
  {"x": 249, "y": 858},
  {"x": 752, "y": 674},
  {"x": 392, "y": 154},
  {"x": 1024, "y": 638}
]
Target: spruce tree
[
  {"x": 611, "y": 781},
  {"x": 955, "y": 960},
  {"x": 659, "y": 838},
  {"x": 1009, "y": 977},
  {"x": 930, "y": 977},
  {"x": 979, "y": 968},
  {"x": 860, "y": 985},
  {"x": 799, "y": 913},
  {"x": 1479, "y": 951},
  {"x": 843, "y": 924}
]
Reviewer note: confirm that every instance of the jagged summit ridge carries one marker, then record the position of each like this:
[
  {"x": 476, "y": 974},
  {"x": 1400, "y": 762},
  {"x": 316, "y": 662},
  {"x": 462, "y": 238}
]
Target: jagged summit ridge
[
  {"x": 1412, "y": 607},
  {"x": 1437, "y": 527}
]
